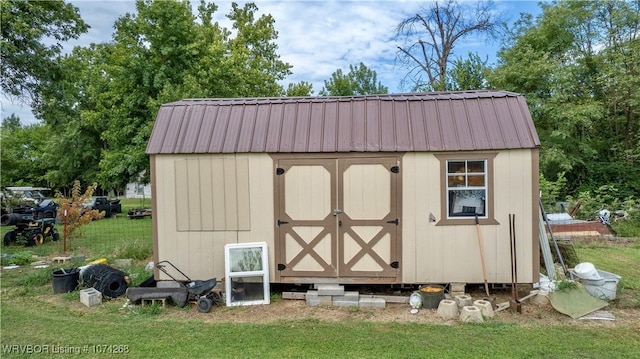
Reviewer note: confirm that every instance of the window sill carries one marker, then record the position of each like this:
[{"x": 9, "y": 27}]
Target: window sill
[{"x": 466, "y": 221}]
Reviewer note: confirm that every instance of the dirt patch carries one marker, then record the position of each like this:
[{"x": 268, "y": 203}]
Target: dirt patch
[{"x": 287, "y": 309}]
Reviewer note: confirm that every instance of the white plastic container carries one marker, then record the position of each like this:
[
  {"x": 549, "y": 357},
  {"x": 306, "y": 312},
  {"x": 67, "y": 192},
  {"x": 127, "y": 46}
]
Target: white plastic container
[
  {"x": 586, "y": 270},
  {"x": 604, "y": 288}
]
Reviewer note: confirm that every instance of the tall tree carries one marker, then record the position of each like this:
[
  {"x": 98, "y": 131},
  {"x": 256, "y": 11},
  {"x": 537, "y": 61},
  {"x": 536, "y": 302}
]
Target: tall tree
[
  {"x": 431, "y": 36},
  {"x": 469, "y": 74},
  {"x": 577, "y": 63},
  {"x": 32, "y": 33},
  {"x": 360, "y": 80},
  {"x": 161, "y": 53},
  {"x": 22, "y": 154}
]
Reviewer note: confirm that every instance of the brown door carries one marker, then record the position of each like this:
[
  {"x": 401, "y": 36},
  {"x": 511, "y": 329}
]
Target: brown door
[
  {"x": 368, "y": 226},
  {"x": 337, "y": 218}
]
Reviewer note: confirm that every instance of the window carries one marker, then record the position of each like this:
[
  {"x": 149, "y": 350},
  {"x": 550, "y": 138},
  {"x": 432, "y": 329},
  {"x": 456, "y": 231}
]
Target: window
[
  {"x": 247, "y": 274},
  {"x": 467, "y": 188}
]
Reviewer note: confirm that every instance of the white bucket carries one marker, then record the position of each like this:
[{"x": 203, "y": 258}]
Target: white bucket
[{"x": 586, "y": 270}]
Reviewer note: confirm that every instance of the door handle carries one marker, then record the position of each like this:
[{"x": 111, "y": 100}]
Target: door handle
[{"x": 337, "y": 212}]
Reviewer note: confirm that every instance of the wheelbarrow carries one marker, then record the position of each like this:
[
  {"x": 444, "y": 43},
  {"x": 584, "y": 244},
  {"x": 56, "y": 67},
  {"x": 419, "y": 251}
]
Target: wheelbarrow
[{"x": 200, "y": 291}]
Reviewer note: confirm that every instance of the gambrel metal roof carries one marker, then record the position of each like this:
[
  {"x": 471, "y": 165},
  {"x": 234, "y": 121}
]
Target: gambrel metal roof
[{"x": 438, "y": 121}]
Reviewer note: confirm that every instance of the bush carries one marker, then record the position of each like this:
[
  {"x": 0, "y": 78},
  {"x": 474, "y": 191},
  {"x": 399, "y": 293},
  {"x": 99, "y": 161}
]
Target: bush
[
  {"x": 72, "y": 212},
  {"x": 18, "y": 258}
]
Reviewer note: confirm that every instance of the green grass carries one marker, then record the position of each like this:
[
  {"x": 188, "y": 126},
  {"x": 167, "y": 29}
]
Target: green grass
[
  {"x": 110, "y": 238},
  {"x": 145, "y": 332},
  {"x": 31, "y": 315},
  {"x": 621, "y": 259}
]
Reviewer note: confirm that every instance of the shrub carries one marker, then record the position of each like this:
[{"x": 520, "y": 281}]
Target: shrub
[{"x": 72, "y": 212}]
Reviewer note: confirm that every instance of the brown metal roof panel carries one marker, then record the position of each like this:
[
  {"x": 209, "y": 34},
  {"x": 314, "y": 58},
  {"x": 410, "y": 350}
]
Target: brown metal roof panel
[
  {"x": 434, "y": 134},
  {"x": 387, "y": 127},
  {"x": 220, "y": 129},
  {"x": 373, "y": 126},
  {"x": 478, "y": 130},
  {"x": 159, "y": 130},
  {"x": 236, "y": 118},
  {"x": 404, "y": 140},
  {"x": 528, "y": 129},
  {"x": 301, "y": 135},
  {"x": 206, "y": 130},
  {"x": 508, "y": 123},
  {"x": 260, "y": 128},
  {"x": 359, "y": 126},
  {"x": 345, "y": 118},
  {"x": 315, "y": 127},
  {"x": 275, "y": 127},
  {"x": 289, "y": 123},
  {"x": 173, "y": 129},
  {"x": 329, "y": 135},
  {"x": 492, "y": 124},
  {"x": 445, "y": 117},
  {"x": 247, "y": 125},
  {"x": 181, "y": 138},
  {"x": 417, "y": 125},
  {"x": 462, "y": 126},
  {"x": 192, "y": 126}
]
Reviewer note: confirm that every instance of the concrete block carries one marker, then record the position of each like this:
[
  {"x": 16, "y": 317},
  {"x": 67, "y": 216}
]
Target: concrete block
[
  {"x": 90, "y": 297},
  {"x": 471, "y": 314},
  {"x": 448, "y": 309},
  {"x": 463, "y": 300},
  {"x": 330, "y": 289},
  {"x": 61, "y": 259},
  {"x": 485, "y": 308},
  {"x": 457, "y": 287},
  {"x": 369, "y": 302},
  {"x": 347, "y": 300},
  {"x": 312, "y": 298}
]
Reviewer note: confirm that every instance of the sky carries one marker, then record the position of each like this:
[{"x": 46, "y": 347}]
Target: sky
[{"x": 315, "y": 37}]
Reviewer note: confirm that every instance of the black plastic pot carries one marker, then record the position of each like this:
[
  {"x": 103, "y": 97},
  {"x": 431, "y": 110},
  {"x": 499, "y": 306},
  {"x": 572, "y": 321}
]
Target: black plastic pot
[{"x": 65, "y": 280}]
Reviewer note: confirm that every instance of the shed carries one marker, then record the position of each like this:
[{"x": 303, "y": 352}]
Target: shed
[{"x": 376, "y": 189}]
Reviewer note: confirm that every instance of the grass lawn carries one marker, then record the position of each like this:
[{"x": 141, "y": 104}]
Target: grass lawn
[{"x": 33, "y": 319}]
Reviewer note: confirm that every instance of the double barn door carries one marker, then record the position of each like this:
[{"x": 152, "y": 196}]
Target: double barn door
[{"x": 337, "y": 218}]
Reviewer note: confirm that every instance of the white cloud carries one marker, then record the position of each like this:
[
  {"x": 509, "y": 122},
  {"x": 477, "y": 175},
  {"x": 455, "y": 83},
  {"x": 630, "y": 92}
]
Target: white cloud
[{"x": 315, "y": 37}]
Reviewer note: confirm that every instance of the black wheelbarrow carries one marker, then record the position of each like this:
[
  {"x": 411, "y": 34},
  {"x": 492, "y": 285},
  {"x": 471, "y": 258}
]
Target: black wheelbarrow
[{"x": 200, "y": 291}]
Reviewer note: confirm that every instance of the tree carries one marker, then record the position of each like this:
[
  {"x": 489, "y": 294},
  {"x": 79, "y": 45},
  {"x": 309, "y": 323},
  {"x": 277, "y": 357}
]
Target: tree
[
  {"x": 577, "y": 63},
  {"x": 32, "y": 32},
  {"x": 159, "y": 54},
  {"x": 469, "y": 74},
  {"x": 359, "y": 81},
  {"x": 431, "y": 36},
  {"x": 302, "y": 88},
  {"x": 22, "y": 154}
]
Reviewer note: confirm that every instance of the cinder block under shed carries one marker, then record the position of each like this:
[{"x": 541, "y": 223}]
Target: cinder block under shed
[
  {"x": 314, "y": 299},
  {"x": 349, "y": 299},
  {"x": 372, "y": 302},
  {"x": 330, "y": 289}
]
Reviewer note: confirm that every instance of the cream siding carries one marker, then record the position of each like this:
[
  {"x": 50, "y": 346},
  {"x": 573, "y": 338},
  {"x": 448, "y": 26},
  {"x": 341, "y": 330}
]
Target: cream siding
[
  {"x": 430, "y": 253},
  {"x": 207, "y": 202},
  {"x": 443, "y": 254}
]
